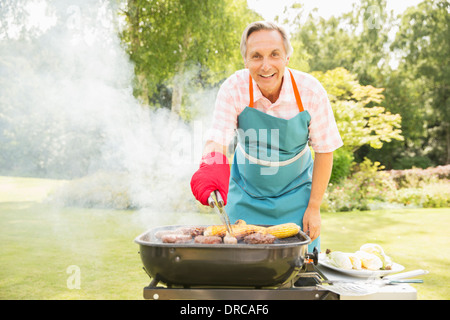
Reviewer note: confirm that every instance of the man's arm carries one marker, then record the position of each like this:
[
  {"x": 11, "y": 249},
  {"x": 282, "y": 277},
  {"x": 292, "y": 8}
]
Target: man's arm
[
  {"x": 211, "y": 146},
  {"x": 323, "y": 164}
]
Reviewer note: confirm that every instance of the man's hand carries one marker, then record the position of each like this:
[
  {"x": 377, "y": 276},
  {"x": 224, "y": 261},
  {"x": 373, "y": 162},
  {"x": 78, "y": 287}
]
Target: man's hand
[
  {"x": 213, "y": 174},
  {"x": 312, "y": 223}
]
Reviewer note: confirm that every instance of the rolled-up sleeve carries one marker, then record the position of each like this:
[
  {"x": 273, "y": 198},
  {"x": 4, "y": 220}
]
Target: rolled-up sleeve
[
  {"x": 225, "y": 115},
  {"x": 324, "y": 134}
]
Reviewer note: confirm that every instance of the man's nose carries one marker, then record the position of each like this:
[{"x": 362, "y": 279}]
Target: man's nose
[{"x": 266, "y": 64}]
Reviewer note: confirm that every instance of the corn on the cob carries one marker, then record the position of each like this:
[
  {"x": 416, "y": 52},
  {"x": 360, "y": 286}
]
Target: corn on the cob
[
  {"x": 220, "y": 230},
  {"x": 240, "y": 222},
  {"x": 215, "y": 231},
  {"x": 284, "y": 230},
  {"x": 240, "y": 231}
]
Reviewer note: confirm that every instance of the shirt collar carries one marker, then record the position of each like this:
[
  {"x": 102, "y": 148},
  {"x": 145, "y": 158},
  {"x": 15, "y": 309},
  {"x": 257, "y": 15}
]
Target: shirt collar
[{"x": 284, "y": 93}]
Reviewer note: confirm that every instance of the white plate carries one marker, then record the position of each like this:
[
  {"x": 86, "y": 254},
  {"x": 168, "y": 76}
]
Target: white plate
[{"x": 363, "y": 273}]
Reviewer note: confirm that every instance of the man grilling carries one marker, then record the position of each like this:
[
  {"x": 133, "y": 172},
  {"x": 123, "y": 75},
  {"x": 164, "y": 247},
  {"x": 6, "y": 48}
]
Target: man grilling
[{"x": 275, "y": 112}]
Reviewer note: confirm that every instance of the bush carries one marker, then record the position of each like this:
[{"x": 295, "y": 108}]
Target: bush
[
  {"x": 435, "y": 195},
  {"x": 409, "y": 197},
  {"x": 438, "y": 200},
  {"x": 416, "y": 177},
  {"x": 342, "y": 164},
  {"x": 370, "y": 186},
  {"x": 367, "y": 184}
]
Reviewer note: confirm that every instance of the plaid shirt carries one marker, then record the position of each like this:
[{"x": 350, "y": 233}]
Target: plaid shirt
[{"x": 233, "y": 97}]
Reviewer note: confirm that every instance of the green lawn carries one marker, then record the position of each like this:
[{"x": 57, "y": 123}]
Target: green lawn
[{"x": 41, "y": 242}]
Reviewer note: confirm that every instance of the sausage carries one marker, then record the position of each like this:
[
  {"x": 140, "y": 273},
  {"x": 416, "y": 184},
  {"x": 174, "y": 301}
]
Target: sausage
[
  {"x": 176, "y": 238},
  {"x": 193, "y": 231},
  {"x": 259, "y": 238},
  {"x": 208, "y": 239},
  {"x": 162, "y": 233}
]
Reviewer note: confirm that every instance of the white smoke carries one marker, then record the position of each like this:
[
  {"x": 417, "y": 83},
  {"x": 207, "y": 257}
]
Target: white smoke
[{"x": 67, "y": 111}]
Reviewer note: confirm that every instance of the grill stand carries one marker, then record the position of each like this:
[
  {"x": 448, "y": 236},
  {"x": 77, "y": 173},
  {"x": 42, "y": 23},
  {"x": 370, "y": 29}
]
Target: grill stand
[
  {"x": 303, "y": 287},
  {"x": 304, "y": 293}
]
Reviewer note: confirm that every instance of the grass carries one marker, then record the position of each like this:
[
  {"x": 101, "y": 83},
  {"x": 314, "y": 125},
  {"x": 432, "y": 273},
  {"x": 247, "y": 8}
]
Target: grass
[{"x": 40, "y": 243}]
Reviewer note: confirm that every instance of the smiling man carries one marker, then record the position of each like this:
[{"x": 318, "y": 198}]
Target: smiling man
[
  {"x": 266, "y": 60},
  {"x": 255, "y": 102}
]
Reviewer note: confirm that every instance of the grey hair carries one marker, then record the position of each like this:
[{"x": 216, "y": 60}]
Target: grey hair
[{"x": 265, "y": 25}]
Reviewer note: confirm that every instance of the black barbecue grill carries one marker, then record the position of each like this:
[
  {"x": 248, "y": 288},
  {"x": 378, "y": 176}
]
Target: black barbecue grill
[{"x": 282, "y": 270}]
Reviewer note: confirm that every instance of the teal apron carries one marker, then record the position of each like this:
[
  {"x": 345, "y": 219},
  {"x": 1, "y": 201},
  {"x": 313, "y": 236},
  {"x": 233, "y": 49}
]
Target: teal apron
[{"x": 271, "y": 174}]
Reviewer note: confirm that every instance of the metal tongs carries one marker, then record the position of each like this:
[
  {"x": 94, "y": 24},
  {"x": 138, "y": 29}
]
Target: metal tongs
[{"x": 215, "y": 200}]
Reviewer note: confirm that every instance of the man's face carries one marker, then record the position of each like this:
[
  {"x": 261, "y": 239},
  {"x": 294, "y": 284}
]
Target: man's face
[{"x": 266, "y": 60}]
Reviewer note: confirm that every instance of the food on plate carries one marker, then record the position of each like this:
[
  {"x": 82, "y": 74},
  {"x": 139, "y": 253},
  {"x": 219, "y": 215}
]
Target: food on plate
[
  {"x": 229, "y": 239},
  {"x": 284, "y": 230},
  {"x": 260, "y": 238},
  {"x": 387, "y": 263},
  {"x": 176, "y": 238},
  {"x": 369, "y": 257},
  {"x": 369, "y": 261},
  {"x": 208, "y": 239},
  {"x": 378, "y": 251},
  {"x": 339, "y": 259},
  {"x": 355, "y": 260},
  {"x": 372, "y": 248}
]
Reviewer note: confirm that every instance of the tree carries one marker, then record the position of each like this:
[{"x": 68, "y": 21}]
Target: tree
[
  {"x": 423, "y": 43},
  {"x": 360, "y": 120},
  {"x": 370, "y": 24},
  {"x": 355, "y": 40},
  {"x": 413, "y": 68},
  {"x": 168, "y": 39}
]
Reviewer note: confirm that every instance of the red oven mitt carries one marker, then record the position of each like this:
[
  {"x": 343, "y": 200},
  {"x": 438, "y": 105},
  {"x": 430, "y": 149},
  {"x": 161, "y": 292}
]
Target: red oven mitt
[{"x": 213, "y": 174}]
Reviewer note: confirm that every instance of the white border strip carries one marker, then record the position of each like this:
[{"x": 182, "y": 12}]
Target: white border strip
[{"x": 267, "y": 163}]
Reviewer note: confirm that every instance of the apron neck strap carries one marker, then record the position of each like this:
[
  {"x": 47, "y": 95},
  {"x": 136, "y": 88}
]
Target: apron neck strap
[
  {"x": 294, "y": 86},
  {"x": 297, "y": 94},
  {"x": 250, "y": 91}
]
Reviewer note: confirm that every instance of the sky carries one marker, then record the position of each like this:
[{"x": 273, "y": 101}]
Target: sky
[
  {"x": 269, "y": 9},
  {"x": 326, "y": 8}
]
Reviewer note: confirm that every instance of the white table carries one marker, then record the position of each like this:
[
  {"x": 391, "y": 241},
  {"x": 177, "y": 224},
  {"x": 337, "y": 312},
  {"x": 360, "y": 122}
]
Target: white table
[{"x": 401, "y": 291}]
